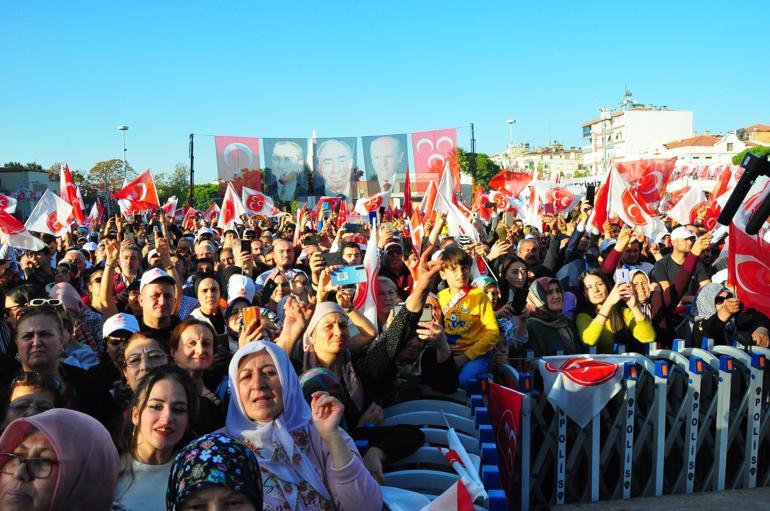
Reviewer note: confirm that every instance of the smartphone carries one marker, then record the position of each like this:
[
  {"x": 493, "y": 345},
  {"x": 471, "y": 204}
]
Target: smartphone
[
  {"x": 425, "y": 317},
  {"x": 221, "y": 344},
  {"x": 719, "y": 234},
  {"x": 519, "y": 301},
  {"x": 590, "y": 193},
  {"x": 349, "y": 275},
  {"x": 270, "y": 286},
  {"x": 332, "y": 258},
  {"x": 623, "y": 275},
  {"x": 310, "y": 239},
  {"x": 245, "y": 246},
  {"x": 252, "y": 314},
  {"x": 157, "y": 230},
  {"x": 353, "y": 228}
]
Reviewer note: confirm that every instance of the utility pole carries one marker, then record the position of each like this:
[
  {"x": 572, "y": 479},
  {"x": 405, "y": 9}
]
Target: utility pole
[{"x": 191, "y": 197}]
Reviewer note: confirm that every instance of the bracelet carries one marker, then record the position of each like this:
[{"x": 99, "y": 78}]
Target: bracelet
[
  {"x": 602, "y": 315},
  {"x": 113, "y": 266}
]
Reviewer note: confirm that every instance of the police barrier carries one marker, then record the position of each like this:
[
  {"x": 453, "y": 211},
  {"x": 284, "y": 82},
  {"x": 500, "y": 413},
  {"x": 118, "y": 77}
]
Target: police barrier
[{"x": 686, "y": 420}]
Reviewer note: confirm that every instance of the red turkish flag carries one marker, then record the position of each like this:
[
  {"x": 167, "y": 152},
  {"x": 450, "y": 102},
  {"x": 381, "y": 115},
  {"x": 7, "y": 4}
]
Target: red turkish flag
[
  {"x": 479, "y": 205},
  {"x": 510, "y": 182},
  {"x": 416, "y": 232},
  {"x": 601, "y": 203},
  {"x": 432, "y": 150},
  {"x": 140, "y": 193},
  {"x": 428, "y": 200},
  {"x": 559, "y": 199},
  {"x": 232, "y": 209},
  {"x": 374, "y": 203},
  {"x": 211, "y": 213},
  {"x": 69, "y": 193},
  {"x": 505, "y": 414},
  {"x": 749, "y": 269},
  {"x": 188, "y": 222},
  {"x": 238, "y": 162},
  {"x": 407, "y": 195}
]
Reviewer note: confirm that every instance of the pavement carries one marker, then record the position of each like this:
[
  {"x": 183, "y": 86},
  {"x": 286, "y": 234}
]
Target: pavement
[{"x": 735, "y": 500}]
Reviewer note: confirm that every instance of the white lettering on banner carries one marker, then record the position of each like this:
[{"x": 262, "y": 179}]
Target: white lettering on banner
[
  {"x": 693, "y": 437},
  {"x": 629, "y": 447}
]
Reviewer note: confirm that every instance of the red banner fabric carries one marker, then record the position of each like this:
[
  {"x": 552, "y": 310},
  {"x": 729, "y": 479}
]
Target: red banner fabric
[
  {"x": 431, "y": 150},
  {"x": 238, "y": 162},
  {"x": 505, "y": 414}
]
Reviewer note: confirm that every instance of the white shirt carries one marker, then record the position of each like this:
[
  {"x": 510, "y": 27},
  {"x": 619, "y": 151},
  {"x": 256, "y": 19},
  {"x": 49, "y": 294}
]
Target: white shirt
[{"x": 147, "y": 491}]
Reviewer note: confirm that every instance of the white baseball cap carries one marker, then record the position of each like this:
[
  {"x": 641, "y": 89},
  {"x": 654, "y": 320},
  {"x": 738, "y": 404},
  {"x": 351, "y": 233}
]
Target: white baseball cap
[
  {"x": 240, "y": 286},
  {"x": 682, "y": 233},
  {"x": 152, "y": 253},
  {"x": 205, "y": 230},
  {"x": 90, "y": 246},
  {"x": 155, "y": 274},
  {"x": 120, "y": 321}
]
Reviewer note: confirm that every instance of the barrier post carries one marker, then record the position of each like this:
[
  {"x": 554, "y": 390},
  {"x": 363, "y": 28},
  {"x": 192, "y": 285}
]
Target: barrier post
[
  {"x": 659, "y": 432},
  {"x": 561, "y": 455},
  {"x": 726, "y": 368},
  {"x": 758, "y": 363},
  {"x": 525, "y": 387},
  {"x": 691, "y": 428},
  {"x": 631, "y": 375}
]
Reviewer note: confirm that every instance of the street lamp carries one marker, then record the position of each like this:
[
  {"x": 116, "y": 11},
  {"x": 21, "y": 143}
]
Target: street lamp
[
  {"x": 510, "y": 122},
  {"x": 123, "y": 130}
]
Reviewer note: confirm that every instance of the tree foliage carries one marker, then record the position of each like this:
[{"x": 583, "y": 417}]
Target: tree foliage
[
  {"x": 177, "y": 183},
  {"x": 107, "y": 176},
  {"x": 760, "y": 150},
  {"x": 15, "y": 165},
  {"x": 204, "y": 195},
  {"x": 485, "y": 167}
]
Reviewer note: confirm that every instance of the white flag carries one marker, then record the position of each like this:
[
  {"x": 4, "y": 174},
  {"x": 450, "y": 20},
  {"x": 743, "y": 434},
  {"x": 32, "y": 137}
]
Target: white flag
[
  {"x": 365, "y": 299},
  {"x": 374, "y": 203},
  {"x": 685, "y": 209},
  {"x": 232, "y": 209},
  {"x": 582, "y": 385},
  {"x": 457, "y": 223},
  {"x": 256, "y": 203},
  {"x": 7, "y": 203},
  {"x": 50, "y": 215}
]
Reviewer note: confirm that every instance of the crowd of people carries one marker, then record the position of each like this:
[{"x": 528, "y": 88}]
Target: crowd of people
[{"x": 147, "y": 366}]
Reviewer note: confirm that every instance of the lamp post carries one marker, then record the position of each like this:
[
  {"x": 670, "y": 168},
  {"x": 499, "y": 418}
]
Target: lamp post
[
  {"x": 510, "y": 123},
  {"x": 606, "y": 113},
  {"x": 123, "y": 130}
]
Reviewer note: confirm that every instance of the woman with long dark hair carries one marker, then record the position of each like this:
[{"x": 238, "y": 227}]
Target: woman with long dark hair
[{"x": 158, "y": 426}]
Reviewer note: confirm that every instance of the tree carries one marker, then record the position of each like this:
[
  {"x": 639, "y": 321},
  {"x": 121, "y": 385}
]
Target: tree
[
  {"x": 15, "y": 165},
  {"x": 107, "y": 176},
  {"x": 178, "y": 183},
  {"x": 485, "y": 167},
  {"x": 760, "y": 150},
  {"x": 204, "y": 195}
]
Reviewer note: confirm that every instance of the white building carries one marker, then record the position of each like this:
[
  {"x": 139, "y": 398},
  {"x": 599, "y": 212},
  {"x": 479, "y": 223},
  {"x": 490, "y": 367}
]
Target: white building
[
  {"x": 629, "y": 132},
  {"x": 700, "y": 150}
]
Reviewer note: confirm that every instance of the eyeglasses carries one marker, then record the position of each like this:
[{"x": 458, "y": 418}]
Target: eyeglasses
[
  {"x": 37, "y": 302},
  {"x": 36, "y": 379},
  {"x": 154, "y": 358},
  {"x": 116, "y": 340},
  {"x": 27, "y": 406},
  {"x": 721, "y": 299},
  {"x": 37, "y": 468}
]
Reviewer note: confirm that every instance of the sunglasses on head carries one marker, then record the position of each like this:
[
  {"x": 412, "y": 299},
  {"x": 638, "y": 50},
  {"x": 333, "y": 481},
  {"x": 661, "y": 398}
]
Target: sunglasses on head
[{"x": 36, "y": 379}]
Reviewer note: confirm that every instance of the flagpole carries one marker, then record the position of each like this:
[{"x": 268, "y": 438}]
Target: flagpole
[{"x": 191, "y": 196}]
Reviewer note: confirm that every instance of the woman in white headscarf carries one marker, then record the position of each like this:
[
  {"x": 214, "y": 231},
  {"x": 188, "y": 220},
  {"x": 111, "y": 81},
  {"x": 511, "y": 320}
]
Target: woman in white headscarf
[{"x": 306, "y": 460}]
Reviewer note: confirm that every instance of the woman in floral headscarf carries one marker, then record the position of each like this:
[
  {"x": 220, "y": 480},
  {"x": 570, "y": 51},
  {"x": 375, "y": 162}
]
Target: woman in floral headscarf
[
  {"x": 548, "y": 329},
  {"x": 215, "y": 467},
  {"x": 306, "y": 460}
]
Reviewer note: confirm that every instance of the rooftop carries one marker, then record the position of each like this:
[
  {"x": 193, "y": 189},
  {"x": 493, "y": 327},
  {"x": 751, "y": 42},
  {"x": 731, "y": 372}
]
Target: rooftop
[
  {"x": 757, "y": 127},
  {"x": 698, "y": 140}
]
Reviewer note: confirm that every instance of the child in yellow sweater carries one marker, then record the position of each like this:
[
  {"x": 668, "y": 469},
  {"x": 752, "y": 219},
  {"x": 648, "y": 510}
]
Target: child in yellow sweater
[{"x": 469, "y": 320}]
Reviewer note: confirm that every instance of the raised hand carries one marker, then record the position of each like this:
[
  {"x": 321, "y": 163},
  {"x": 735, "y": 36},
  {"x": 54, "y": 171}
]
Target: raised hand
[{"x": 327, "y": 413}]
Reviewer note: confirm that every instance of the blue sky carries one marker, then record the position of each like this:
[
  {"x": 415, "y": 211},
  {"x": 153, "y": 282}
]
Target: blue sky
[{"x": 72, "y": 71}]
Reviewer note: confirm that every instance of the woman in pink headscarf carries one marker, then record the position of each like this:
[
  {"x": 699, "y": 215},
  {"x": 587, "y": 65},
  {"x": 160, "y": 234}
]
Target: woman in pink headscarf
[{"x": 45, "y": 464}]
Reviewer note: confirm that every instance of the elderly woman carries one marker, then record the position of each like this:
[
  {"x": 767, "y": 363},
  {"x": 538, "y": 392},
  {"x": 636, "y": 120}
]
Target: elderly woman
[
  {"x": 159, "y": 424},
  {"x": 213, "y": 469},
  {"x": 721, "y": 316},
  {"x": 548, "y": 329},
  {"x": 306, "y": 460},
  {"x": 46, "y": 465},
  {"x": 611, "y": 314}
]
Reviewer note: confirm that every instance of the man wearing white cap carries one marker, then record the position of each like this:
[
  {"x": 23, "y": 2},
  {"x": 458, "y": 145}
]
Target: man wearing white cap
[
  {"x": 116, "y": 331},
  {"x": 682, "y": 240},
  {"x": 157, "y": 297}
]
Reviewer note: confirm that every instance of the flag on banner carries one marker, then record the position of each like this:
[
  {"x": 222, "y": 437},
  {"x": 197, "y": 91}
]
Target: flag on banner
[
  {"x": 457, "y": 223},
  {"x": 432, "y": 150},
  {"x": 505, "y": 415},
  {"x": 232, "y": 209},
  {"x": 238, "y": 162},
  {"x": 501, "y": 200},
  {"x": 510, "y": 182},
  {"x": 14, "y": 234},
  {"x": 685, "y": 210},
  {"x": 581, "y": 385},
  {"x": 50, "y": 215},
  {"x": 365, "y": 299},
  {"x": 374, "y": 203},
  {"x": 649, "y": 177},
  {"x": 631, "y": 207},
  {"x": 188, "y": 222},
  {"x": 8, "y": 204},
  {"x": 169, "y": 208},
  {"x": 256, "y": 203},
  {"x": 140, "y": 194},
  {"x": 69, "y": 193},
  {"x": 407, "y": 195},
  {"x": 211, "y": 212}
]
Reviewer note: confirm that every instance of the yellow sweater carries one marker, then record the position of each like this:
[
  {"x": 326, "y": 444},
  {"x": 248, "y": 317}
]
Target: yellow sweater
[
  {"x": 593, "y": 333},
  {"x": 470, "y": 326}
]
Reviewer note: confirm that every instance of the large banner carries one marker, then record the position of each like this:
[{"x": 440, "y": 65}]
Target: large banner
[
  {"x": 286, "y": 174},
  {"x": 385, "y": 160},
  {"x": 335, "y": 170},
  {"x": 238, "y": 162},
  {"x": 505, "y": 413},
  {"x": 431, "y": 151}
]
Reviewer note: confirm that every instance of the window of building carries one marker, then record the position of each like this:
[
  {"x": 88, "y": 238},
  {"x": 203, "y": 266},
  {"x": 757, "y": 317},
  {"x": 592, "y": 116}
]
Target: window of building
[
  {"x": 729, "y": 147},
  {"x": 696, "y": 157},
  {"x": 708, "y": 157}
]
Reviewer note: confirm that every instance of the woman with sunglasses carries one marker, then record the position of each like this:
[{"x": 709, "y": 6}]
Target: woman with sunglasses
[
  {"x": 45, "y": 464},
  {"x": 40, "y": 338},
  {"x": 32, "y": 393},
  {"x": 15, "y": 299},
  {"x": 720, "y": 316}
]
